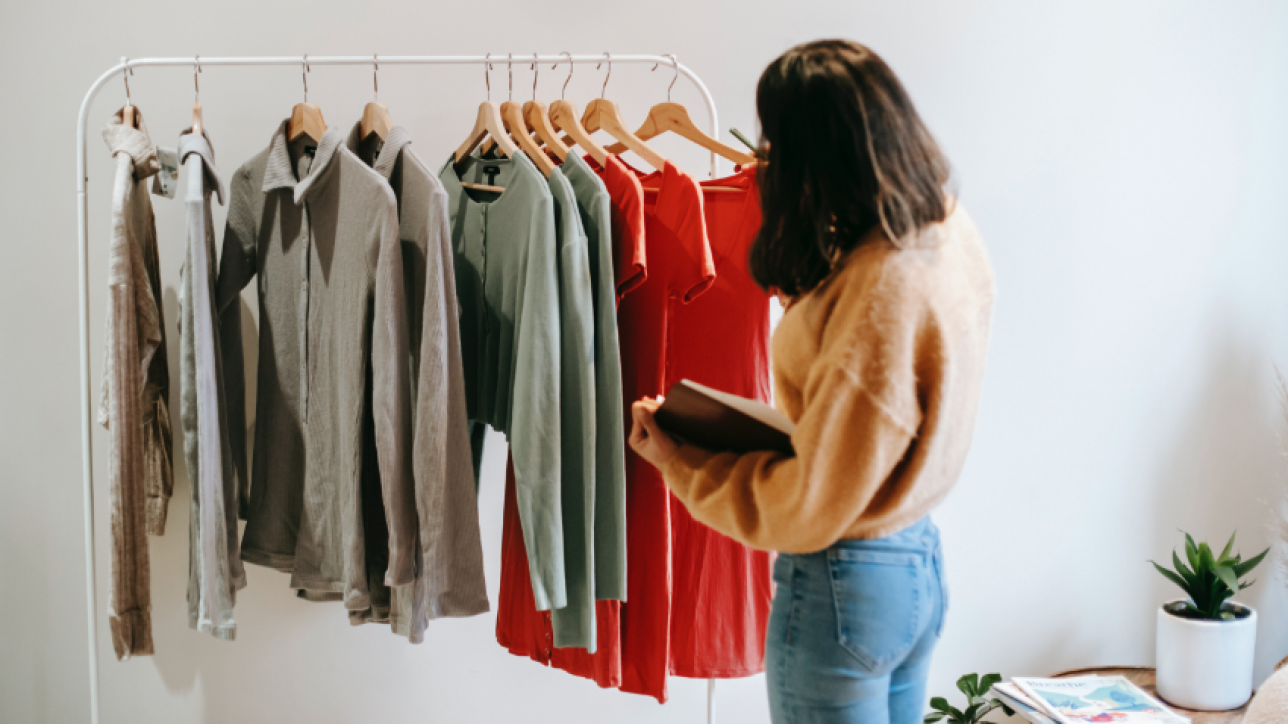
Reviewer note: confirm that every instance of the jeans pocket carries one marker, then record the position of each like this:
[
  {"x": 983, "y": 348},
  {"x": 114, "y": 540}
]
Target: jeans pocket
[{"x": 880, "y": 602}]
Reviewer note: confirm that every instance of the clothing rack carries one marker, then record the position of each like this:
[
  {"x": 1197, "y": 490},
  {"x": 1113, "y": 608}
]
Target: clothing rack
[{"x": 127, "y": 65}]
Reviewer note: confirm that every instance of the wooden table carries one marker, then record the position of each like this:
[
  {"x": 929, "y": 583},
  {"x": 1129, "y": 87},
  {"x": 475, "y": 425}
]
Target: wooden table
[{"x": 1143, "y": 676}]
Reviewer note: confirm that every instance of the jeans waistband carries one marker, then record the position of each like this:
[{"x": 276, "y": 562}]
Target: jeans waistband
[{"x": 921, "y": 536}]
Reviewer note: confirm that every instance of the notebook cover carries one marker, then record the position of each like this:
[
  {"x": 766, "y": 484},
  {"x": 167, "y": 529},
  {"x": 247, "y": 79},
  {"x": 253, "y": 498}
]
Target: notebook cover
[{"x": 697, "y": 415}]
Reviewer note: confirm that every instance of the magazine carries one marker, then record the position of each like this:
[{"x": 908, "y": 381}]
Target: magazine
[
  {"x": 1023, "y": 707},
  {"x": 1010, "y": 695},
  {"x": 1096, "y": 699}
]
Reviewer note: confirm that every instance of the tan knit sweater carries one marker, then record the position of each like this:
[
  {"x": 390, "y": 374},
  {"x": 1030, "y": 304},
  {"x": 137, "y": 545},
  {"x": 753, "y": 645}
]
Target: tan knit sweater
[{"x": 880, "y": 368}]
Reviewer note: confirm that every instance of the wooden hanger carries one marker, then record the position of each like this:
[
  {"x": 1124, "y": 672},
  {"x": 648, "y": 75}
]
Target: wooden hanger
[
  {"x": 375, "y": 116},
  {"x": 196, "y": 99},
  {"x": 675, "y": 118},
  {"x": 536, "y": 119},
  {"x": 517, "y": 130},
  {"x": 487, "y": 124},
  {"x": 563, "y": 117},
  {"x": 306, "y": 118},
  {"x": 129, "y": 114},
  {"x": 603, "y": 114}
]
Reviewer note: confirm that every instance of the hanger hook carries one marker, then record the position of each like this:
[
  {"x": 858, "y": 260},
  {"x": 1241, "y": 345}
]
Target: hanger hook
[
  {"x": 564, "y": 92},
  {"x": 126, "y": 73},
  {"x": 676, "y": 64},
  {"x": 196, "y": 86},
  {"x": 375, "y": 76},
  {"x": 509, "y": 65},
  {"x": 607, "y": 75},
  {"x": 535, "y": 73},
  {"x": 305, "y": 75},
  {"x": 487, "y": 74}
]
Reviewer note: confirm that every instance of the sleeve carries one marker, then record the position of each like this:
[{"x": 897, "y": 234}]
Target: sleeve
[
  {"x": 573, "y": 625},
  {"x": 683, "y": 214},
  {"x": 237, "y": 266},
  {"x": 534, "y": 429},
  {"x": 629, "y": 253},
  {"x": 860, "y": 413},
  {"x": 447, "y": 506},
  {"x": 391, "y": 400}
]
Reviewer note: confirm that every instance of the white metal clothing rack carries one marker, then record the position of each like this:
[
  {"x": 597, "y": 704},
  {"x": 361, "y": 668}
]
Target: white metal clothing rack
[{"x": 82, "y": 230}]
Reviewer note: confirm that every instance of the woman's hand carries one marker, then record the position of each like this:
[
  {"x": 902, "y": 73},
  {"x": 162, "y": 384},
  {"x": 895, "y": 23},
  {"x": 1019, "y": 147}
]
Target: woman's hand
[{"x": 647, "y": 439}]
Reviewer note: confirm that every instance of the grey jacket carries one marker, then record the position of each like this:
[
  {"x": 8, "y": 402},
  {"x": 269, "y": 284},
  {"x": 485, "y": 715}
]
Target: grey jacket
[
  {"x": 332, "y": 350},
  {"x": 504, "y": 259},
  {"x": 136, "y": 382},
  {"x": 449, "y": 559},
  {"x": 215, "y": 572}
]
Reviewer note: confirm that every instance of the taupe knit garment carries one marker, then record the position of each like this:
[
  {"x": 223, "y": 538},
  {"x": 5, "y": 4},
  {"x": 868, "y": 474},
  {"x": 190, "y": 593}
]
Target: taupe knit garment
[
  {"x": 320, "y": 236},
  {"x": 449, "y": 561},
  {"x": 135, "y": 388},
  {"x": 215, "y": 572}
]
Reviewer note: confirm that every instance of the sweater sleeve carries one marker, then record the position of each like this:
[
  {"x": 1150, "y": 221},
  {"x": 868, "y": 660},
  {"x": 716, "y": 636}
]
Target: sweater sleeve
[
  {"x": 846, "y": 445},
  {"x": 859, "y": 411},
  {"x": 391, "y": 400}
]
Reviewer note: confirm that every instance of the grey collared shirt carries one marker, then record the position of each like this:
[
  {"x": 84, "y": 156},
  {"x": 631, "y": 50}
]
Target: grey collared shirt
[
  {"x": 215, "y": 572},
  {"x": 332, "y": 349},
  {"x": 449, "y": 580}
]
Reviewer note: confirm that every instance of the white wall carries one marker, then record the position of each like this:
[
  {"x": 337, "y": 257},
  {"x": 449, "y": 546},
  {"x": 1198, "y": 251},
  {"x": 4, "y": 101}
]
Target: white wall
[{"x": 1125, "y": 161}]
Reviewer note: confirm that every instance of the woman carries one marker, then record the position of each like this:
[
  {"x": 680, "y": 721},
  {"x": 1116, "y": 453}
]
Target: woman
[{"x": 878, "y": 360}]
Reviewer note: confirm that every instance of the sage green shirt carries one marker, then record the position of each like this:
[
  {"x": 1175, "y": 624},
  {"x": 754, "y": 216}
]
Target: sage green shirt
[
  {"x": 504, "y": 255},
  {"x": 574, "y": 624},
  {"x": 610, "y": 432}
]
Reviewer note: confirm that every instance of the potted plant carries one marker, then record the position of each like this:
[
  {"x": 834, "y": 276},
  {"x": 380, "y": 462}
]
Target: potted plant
[
  {"x": 976, "y": 688},
  {"x": 1206, "y": 642}
]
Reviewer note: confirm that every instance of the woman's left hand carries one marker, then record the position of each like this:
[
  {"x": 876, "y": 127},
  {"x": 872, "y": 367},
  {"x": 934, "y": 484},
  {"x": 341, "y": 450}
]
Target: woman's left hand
[{"x": 647, "y": 439}]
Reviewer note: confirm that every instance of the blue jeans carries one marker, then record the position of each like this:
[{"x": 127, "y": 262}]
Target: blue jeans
[{"x": 852, "y": 629}]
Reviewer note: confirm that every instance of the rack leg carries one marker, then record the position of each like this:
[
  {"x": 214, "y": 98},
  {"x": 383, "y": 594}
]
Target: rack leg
[{"x": 711, "y": 701}]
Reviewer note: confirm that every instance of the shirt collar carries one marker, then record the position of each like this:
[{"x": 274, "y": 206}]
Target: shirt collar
[
  {"x": 279, "y": 174},
  {"x": 388, "y": 156},
  {"x": 190, "y": 143},
  {"x": 134, "y": 142}
]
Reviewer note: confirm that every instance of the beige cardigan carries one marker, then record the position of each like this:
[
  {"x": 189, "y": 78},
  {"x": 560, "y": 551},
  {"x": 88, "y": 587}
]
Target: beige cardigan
[
  {"x": 136, "y": 386},
  {"x": 880, "y": 368}
]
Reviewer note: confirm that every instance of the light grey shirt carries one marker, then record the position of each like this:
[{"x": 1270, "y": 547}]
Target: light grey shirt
[
  {"x": 321, "y": 238},
  {"x": 610, "y": 433},
  {"x": 449, "y": 579},
  {"x": 215, "y": 572},
  {"x": 134, "y": 405},
  {"x": 504, "y": 259}
]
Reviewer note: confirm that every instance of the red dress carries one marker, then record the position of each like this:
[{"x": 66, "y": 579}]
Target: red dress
[
  {"x": 722, "y": 590},
  {"x": 634, "y": 636}
]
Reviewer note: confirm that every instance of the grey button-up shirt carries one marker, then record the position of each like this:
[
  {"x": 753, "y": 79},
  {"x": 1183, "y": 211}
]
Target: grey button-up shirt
[
  {"x": 215, "y": 572},
  {"x": 321, "y": 236},
  {"x": 504, "y": 255},
  {"x": 449, "y": 580}
]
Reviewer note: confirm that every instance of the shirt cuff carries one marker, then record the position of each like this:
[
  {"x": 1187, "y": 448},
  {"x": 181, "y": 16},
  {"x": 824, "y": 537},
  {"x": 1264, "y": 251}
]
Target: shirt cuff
[{"x": 680, "y": 470}]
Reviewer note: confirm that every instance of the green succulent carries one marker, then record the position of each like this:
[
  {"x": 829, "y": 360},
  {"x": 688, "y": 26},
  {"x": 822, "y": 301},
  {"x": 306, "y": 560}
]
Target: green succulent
[
  {"x": 975, "y": 687},
  {"x": 1209, "y": 580}
]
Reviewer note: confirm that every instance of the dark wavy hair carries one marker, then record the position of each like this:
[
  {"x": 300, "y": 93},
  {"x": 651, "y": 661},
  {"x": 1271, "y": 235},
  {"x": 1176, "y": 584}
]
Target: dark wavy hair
[{"x": 842, "y": 151}]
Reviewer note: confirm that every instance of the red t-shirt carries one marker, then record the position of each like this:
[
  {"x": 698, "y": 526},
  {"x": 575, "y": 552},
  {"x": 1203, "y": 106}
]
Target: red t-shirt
[
  {"x": 676, "y": 264},
  {"x": 722, "y": 589}
]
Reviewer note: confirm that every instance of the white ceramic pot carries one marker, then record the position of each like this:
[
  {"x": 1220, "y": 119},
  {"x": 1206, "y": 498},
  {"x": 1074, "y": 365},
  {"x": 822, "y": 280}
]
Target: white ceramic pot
[{"x": 1206, "y": 665}]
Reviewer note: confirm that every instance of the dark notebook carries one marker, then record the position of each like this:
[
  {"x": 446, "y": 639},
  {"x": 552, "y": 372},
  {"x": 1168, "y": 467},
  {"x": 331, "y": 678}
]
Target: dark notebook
[{"x": 722, "y": 422}]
